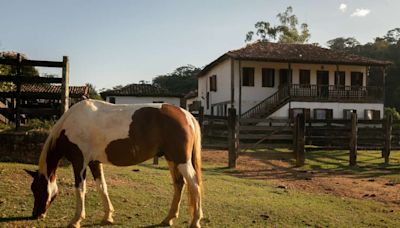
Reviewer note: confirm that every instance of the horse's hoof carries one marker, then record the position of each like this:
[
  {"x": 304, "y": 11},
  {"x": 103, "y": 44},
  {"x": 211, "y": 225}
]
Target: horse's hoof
[
  {"x": 195, "y": 225},
  {"x": 74, "y": 225},
  {"x": 166, "y": 222},
  {"x": 106, "y": 222}
]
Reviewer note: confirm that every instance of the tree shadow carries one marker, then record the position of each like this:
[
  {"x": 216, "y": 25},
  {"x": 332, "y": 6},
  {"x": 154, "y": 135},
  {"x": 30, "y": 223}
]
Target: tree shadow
[{"x": 320, "y": 164}]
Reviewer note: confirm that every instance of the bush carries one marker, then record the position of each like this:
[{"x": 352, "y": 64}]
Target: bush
[
  {"x": 4, "y": 126},
  {"x": 394, "y": 112},
  {"x": 38, "y": 124}
]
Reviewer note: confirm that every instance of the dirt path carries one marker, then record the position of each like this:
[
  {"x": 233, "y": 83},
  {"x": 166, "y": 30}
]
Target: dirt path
[{"x": 283, "y": 175}]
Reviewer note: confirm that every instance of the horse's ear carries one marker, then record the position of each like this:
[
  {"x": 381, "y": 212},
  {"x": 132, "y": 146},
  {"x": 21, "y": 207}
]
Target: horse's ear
[{"x": 32, "y": 173}]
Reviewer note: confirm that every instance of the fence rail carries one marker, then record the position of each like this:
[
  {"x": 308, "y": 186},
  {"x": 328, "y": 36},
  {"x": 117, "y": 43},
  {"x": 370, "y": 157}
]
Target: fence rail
[
  {"x": 16, "y": 96},
  {"x": 301, "y": 135}
]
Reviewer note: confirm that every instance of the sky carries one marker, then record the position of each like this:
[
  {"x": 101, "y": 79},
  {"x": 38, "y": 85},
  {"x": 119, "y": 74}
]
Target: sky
[{"x": 118, "y": 42}]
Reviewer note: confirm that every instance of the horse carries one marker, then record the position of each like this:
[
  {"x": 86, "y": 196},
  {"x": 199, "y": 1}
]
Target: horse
[{"x": 92, "y": 133}]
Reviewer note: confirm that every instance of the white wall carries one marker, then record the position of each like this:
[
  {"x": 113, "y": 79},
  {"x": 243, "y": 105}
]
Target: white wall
[
  {"x": 190, "y": 101},
  {"x": 223, "y": 93},
  {"x": 283, "y": 112},
  {"x": 253, "y": 95},
  {"x": 142, "y": 100}
]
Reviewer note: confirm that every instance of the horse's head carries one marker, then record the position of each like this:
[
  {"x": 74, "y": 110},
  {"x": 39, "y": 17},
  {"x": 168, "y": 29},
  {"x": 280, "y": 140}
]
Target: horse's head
[{"x": 44, "y": 192}]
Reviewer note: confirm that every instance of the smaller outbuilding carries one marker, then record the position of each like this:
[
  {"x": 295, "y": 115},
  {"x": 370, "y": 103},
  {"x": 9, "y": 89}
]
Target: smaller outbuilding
[{"x": 140, "y": 94}]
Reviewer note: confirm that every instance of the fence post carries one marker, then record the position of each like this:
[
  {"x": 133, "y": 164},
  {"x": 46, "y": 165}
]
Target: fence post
[
  {"x": 155, "y": 160},
  {"x": 232, "y": 138},
  {"x": 201, "y": 117},
  {"x": 299, "y": 139},
  {"x": 388, "y": 137},
  {"x": 353, "y": 140},
  {"x": 65, "y": 85},
  {"x": 18, "y": 97}
]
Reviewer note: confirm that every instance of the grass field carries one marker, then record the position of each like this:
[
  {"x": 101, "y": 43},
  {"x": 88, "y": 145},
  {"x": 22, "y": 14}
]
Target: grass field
[{"x": 142, "y": 198}]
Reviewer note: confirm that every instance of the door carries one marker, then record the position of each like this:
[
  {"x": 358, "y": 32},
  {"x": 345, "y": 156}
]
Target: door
[
  {"x": 323, "y": 83},
  {"x": 284, "y": 77}
]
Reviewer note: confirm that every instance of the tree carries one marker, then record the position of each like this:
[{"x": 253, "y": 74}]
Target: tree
[
  {"x": 386, "y": 47},
  {"x": 286, "y": 32},
  {"x": 8, "y": 70},
  {"x": 342, "y": 43},
  {"x": 181, "y": 81},
  {"x": 93, "y": 94}
]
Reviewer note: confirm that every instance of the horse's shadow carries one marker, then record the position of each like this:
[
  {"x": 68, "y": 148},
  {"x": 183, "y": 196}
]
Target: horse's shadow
[
  {"x": 14, "y": 219},
  {"x": 150, "y": 226}
]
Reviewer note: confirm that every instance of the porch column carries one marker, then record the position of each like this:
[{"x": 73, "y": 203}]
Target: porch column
[
  {"x": 240, "y": 89},
  {"x": 384, "y": 83},
  {"x": 232, "y": 83}
]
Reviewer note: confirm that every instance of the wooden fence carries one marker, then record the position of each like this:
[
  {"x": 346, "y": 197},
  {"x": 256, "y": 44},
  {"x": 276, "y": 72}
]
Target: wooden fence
[
  {"x": 301, "y": 135},
  {"x": 17, "y": 96}
]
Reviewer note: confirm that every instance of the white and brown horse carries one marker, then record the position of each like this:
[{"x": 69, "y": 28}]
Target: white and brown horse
[{"x": 95, "y": 132}]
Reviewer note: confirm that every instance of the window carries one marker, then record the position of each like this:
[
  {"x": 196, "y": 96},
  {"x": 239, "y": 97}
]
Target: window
[
  {"x": 213, "y": 83},
  {"x": 340, "y": 78},
  {"x": 295, "y": 111},
  {"x": 208, "y": 100},
  {"x": 268, "y": 77},
  {"x": 158, "y": 102},
  {"x": 248, "y": 76},
  {"x": 357, "y": 79},
  {"x": 323, "y": 114},
  {"x": 304, "y": 77},
  {"x": 347, "y": 113},
  {"x": 372, "y": 114},
  {"x": 111, "y": 100}
]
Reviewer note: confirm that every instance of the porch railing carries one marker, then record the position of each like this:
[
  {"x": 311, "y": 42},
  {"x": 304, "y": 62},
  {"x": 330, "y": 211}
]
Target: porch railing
[
  {"x": 269, "y": 103},
  {"x": 315, "y": 93},
  {"x": 337, "y": 93}
]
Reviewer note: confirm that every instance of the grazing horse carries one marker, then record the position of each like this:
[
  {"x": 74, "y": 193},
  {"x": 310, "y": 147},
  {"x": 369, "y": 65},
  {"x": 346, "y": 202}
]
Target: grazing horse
[{"x": 95, "y": 132}]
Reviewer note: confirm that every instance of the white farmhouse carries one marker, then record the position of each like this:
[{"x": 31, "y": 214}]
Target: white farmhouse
[
  {"x": 140, "y": 94},
  {"x": 276, "y": 80}
]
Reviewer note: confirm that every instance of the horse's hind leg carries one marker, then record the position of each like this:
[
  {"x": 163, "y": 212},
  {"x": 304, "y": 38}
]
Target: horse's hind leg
[
  {"x": 188, "y": 172},
  {"x": 178, "y": 182},
  {"x": 98, "y": 174}
]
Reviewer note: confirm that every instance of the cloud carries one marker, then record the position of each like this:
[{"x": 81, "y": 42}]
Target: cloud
[
  {"x": 343, "y": 7},
  {"x": 360, "y": 13}
]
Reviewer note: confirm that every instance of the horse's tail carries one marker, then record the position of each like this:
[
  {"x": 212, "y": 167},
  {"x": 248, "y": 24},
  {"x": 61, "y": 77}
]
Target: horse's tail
[
  {"x": 196, "y": 162},
  {"x": 196, "y": 154}
]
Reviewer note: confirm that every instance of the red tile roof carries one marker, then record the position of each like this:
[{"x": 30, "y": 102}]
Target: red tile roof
[
  {"x": 140, "y": 90},
  {"x": 294, "y": 53},
  {"x": 74, "y": 91}
]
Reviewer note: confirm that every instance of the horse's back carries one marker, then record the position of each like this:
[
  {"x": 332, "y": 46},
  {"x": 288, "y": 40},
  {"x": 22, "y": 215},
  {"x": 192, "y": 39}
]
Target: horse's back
[{"x": 128, "y": 134}]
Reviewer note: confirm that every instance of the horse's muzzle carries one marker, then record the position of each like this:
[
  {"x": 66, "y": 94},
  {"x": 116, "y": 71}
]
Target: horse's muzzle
[{"x": 36, "y": 215}]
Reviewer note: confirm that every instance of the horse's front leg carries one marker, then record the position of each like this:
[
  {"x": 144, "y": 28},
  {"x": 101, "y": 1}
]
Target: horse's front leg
[
  {"x": 98, "y": 174},
  {"x": 80, "y": 188}
]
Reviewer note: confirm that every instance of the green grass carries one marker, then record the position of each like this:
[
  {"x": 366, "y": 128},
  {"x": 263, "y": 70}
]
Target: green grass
[{"x": 142, "y": 199}]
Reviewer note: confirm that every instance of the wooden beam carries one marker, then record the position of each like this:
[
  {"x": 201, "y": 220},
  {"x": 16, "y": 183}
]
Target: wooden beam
[
  {"x": 232, "y": 138},
  {"x": 25, "y": 62},
  {"x": 18, "y": 94},
  {"x": 65, "y": 86},
  {"x": 299, "y": 139},
  {"x": 240, "y": 88},
  {"x": 388, "y": 137},
  {"x": 29, "y": 79},
  {"x": 232, "y": 83},
  {"x": 353, "y": 140}
]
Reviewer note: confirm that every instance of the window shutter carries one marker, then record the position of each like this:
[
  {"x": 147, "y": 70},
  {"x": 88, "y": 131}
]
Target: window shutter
[
  {"x": 291, "y": 114},
  {"x": 307, "y": 114},
  {"x": 329, "y": 114},
  {"x": 376, "y": 115}
]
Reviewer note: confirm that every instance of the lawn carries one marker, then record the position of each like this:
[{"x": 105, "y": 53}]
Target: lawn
[{"x": 141, "y": 198}]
